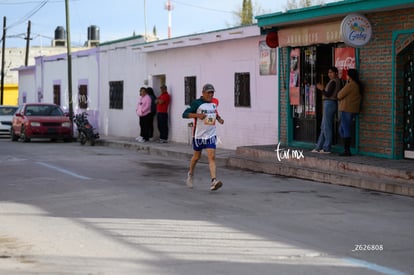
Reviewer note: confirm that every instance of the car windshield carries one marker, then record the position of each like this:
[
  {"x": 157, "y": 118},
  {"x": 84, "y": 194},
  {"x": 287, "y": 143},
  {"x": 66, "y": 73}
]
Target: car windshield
[
  {"x": 43, "y": 110},
  {"x": 7, "y": 111}
]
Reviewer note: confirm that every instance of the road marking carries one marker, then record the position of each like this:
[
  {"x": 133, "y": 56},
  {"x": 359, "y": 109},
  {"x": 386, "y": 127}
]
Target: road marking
[
  {"x": 64, "y": 171},
  {"x": 375, "y": 267}
]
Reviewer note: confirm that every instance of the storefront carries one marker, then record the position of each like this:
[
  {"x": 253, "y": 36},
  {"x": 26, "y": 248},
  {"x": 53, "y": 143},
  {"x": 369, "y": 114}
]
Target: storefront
[{"x": 377, "y": 39}]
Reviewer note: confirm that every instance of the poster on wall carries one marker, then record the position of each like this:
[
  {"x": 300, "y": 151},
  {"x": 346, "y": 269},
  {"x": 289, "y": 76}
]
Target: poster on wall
[
  {"x": 294, "y": 77},
  {"x": 267, "y": 59},
  {"x": 310, "y": 100},
  {"x": 344, "y": 60}
]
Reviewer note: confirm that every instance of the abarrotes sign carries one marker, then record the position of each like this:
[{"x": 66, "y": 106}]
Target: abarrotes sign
[{"x": 356, "y": 30}]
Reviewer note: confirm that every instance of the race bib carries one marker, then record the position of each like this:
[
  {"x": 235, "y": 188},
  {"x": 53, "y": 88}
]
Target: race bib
[{"x": 210, "y": 119}]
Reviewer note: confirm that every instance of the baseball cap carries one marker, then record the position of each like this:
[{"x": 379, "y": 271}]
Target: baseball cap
[{"x": 208, "y": 88}]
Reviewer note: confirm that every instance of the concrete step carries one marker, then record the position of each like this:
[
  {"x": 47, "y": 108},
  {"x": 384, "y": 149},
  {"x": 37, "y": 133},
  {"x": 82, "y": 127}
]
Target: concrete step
[
  {"x": 326, "y": 168},
  {"x": 358, "y": 166}
]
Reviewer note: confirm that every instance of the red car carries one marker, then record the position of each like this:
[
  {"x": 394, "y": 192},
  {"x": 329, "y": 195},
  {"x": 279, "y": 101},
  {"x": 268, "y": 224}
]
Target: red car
[{"x": 41, "y": 120}]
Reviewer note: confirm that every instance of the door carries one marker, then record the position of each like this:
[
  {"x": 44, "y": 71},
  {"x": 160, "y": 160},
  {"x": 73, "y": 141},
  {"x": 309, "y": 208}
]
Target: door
[
  {"x": 409, "y": 109},
  {"x": 313, "y": 63}
]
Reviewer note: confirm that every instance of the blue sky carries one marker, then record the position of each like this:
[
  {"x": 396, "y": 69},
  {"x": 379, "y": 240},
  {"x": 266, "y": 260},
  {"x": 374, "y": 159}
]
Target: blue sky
[{"x": 118, "y": 19}]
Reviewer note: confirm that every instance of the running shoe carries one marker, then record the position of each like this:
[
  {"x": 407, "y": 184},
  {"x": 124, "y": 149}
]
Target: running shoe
[
  {"x": 215, "y": 184},
  {"x": 189, "y": 181}
]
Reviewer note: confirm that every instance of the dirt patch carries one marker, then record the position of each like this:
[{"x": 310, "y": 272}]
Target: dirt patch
[{"x": 12, "y": 248}]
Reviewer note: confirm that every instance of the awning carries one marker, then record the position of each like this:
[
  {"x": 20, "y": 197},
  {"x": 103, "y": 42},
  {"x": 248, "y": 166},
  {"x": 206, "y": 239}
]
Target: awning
[{"x": 325, "y": 33}]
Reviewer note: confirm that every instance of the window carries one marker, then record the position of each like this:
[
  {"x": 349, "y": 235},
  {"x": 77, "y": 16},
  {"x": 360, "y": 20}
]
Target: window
[
  {"x": 189, "y": 89},
  {"x": 7, "y": 111},
  {"x": 43, "y": 110},
  {"x": 116, "y": 94},
  {"x": 39, "y": 95},
  {"x": 56, "y": 94},
  {"x": 83, "y": 96},
  {"x": 242, "y": 89}
]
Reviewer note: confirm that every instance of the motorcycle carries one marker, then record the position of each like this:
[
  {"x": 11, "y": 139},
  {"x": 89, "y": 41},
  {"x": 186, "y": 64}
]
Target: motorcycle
[{"x": 86, "y": 132}]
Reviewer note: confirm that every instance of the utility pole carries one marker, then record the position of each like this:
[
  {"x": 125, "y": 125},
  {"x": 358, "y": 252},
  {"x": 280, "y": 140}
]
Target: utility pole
[
  {"x": 145, "y": 18},
  {"x": 26, "y": 60},
  {"x": 2, "y": 60},
  {"x": 69, "y": 62}
]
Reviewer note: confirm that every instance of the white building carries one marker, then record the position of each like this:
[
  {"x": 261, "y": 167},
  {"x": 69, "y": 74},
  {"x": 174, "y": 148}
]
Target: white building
[{"x": 234, "y": 60}]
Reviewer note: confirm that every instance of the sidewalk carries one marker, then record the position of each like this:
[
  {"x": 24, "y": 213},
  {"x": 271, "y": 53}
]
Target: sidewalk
[
  {"x": 383, "y": 175},
  {"x": 170, "y": 149}
]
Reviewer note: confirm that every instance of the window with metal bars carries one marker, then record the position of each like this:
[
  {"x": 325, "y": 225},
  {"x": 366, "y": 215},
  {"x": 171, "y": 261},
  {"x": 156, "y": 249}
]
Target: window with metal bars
[
  {"x": 189, "y": 89},
  {"x": 116, "y": 94},
  {"x": 242, "y": 89},
  {"x": 56, "y": 94},
  {"x": 83, "y": 96}
]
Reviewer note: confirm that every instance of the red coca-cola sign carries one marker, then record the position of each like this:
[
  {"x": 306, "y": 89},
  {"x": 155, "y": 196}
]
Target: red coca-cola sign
[{"x": 344, "y": 60}]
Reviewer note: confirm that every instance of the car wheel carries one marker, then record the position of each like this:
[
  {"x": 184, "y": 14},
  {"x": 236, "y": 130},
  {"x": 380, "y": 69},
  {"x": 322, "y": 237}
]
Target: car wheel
[
  {"x": 23, "y": 135},
  {"x": 13, "y": 136}
]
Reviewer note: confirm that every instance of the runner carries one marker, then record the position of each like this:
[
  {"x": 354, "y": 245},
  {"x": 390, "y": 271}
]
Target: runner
[{"x": 204, "y": 112}]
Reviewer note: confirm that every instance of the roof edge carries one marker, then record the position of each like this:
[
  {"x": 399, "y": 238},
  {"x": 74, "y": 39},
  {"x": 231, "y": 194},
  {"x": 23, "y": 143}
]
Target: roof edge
[
  {"x": 328, "y": 11},
  {"x": 121, "y": 40}
]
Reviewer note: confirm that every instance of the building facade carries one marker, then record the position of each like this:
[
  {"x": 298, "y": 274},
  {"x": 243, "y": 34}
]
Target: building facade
[
  {"x": 15, "y": 58},
  {"x": 236, "y": 61},
  {"x": 23, "y": 57},
  {"x": 376, "y": 38}
]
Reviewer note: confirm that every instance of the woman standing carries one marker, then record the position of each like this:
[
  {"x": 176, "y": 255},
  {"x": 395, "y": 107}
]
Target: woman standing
[
  {"x": 330, "y": 108},
  {"x": 151, "y": 93},
  {"x": 349, "y": 105},
  {"x": 144, "y": 112}
]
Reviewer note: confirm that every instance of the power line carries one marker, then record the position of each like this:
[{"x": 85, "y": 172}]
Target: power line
[
  {"x": 14, "y": 2},
  {"x": 23, "y": 2},
  {"x": 28, "y": 15},
  {"x": 202, "y": 8},
  {"x": 20, "y": 35}
]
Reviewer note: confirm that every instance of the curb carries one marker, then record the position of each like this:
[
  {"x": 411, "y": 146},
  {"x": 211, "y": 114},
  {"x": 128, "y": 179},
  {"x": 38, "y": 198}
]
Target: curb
[
  {"x": 308, "y": 173},
  {"x": 174, "y": 150}
]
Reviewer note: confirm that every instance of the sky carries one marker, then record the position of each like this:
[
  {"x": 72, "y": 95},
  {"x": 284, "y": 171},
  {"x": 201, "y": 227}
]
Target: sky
[{"x": 117, "y": 19}]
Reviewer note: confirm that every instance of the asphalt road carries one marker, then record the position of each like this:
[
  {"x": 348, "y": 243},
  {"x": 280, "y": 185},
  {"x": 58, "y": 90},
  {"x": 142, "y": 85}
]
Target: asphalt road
[{"x": 72, "y": 209}]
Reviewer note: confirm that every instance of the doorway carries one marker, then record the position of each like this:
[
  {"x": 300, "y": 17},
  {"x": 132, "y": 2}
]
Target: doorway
[
  {"x": 156, "y": 82},
  {"x": 409, "y": 108},
  {"x": 313, "y": 64}
]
